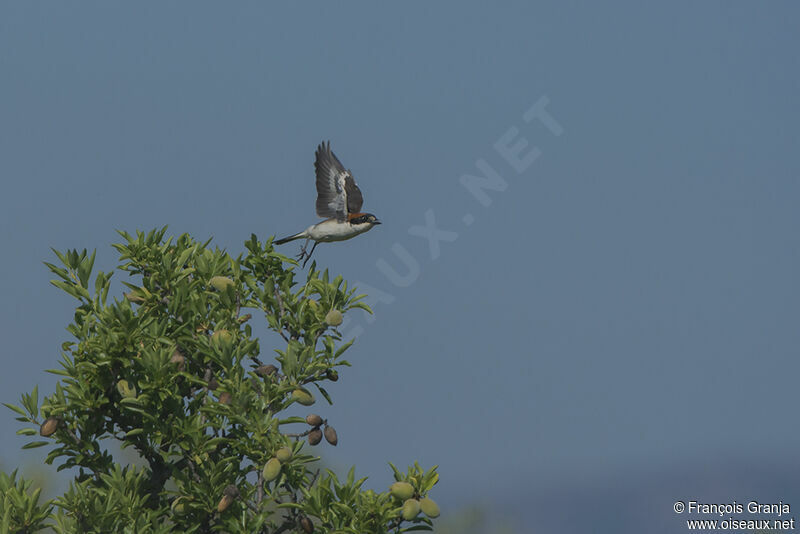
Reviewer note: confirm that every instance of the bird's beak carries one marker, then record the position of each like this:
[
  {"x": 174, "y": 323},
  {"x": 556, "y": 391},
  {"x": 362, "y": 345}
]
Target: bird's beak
[{"x": 376, "y": 221}]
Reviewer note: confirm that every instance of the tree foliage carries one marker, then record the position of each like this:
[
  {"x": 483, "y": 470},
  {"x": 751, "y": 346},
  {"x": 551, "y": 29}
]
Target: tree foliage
[{"x": 173, "y": 371}]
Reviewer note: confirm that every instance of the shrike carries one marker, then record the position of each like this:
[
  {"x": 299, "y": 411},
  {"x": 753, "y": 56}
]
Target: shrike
[{"x": 339, "y": 200}]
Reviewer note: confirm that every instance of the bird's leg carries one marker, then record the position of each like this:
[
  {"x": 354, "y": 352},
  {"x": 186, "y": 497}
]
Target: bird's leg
[
  {"x": 303, "y": 251},
  {"x": 310, "y": 253}
]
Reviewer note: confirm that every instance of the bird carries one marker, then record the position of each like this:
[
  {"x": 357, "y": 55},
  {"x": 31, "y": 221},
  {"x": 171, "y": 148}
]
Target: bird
[{"x": 339, "y": 201}]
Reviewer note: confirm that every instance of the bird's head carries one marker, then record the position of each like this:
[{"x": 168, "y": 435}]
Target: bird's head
[{"x": 366, "y": 218}]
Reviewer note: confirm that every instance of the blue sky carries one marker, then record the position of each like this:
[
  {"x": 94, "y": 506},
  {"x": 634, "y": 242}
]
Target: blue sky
[{"x": 627, "y": 303}]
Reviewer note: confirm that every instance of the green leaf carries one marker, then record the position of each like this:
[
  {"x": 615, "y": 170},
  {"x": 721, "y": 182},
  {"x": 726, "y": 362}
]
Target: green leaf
[
  {"x": 63, "y": 273},
  {"x": 15, "y": 409},
  {"x": 290, "y": 505},
  {"x": 324, "y": 394},
  {"x": 60, "y": 256},
  {"x": 85, "y": 268},
  {"x": 35, "y": 444},
  {"x": 290, "y": 420},
  {"x": 397, "y": 474},
  {"x": 344, "y": 348}
]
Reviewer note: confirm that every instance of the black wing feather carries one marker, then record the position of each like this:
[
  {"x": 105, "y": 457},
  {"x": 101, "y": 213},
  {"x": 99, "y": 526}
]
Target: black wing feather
[
  {"x": 354, "y": 197},
  {"x": 337, "y": 192}
]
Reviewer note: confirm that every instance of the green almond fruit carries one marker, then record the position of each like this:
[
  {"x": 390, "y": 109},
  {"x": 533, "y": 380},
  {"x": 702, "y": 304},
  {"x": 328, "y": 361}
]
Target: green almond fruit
[
  {"x": 271, "y": 470},
  {"x": 402, "y": 490},
  {"x": 222, "y": 336},
  {"x": 220, "y": 283},
  {"x": 48, "y": 427},
  {"x": 179, "y": 505},
  {"x": 334, "y": 318},
  {"x": 127, "y": 390},
  {"x": 303, "y": 397},
  {"x": 283, "y": 454},
  {"x": 410, "y": 509},
  {"x": 429, "y": 507}
]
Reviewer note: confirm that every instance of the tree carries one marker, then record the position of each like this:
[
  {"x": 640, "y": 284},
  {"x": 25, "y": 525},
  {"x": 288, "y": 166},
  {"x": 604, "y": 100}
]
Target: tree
[{"x": 173, "y": 371}]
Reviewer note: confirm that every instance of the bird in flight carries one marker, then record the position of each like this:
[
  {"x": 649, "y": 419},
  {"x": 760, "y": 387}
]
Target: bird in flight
[{"x": 339, "y": 201}]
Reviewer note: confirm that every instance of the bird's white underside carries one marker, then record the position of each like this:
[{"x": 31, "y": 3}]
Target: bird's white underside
[{"x": 333, "y": 230}]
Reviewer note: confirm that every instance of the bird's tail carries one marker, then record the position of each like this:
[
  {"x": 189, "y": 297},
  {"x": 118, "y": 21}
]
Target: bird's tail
[{"x": 299, "y": 235}]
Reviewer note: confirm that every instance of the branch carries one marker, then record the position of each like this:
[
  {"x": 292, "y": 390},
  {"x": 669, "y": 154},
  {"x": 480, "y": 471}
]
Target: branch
[
  {"x": 281, "y": 311},
  {"x": 286, "y": 526},
  {"x": 293, "y": 334},
  {"x": 313, "y": 479},
  {"x": 304, "y": 434},
  {"x": 260, "y": 493}
]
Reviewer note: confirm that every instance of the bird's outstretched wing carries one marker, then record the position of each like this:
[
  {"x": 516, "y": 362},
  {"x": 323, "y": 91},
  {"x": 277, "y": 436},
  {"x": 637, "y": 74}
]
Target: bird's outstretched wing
[{"x": 337, "y": 192}]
